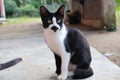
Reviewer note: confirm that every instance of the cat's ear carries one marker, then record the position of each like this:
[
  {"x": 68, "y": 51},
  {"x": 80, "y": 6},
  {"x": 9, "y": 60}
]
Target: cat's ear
[
  {"x": 44, "y": 11},
  {"x": 60, "y": 11}
]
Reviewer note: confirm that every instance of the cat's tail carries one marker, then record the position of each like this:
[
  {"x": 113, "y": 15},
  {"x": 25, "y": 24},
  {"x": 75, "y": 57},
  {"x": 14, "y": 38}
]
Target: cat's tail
[
  {"x": 82, "y": 73},
  {"x": 10, "y": 63}
]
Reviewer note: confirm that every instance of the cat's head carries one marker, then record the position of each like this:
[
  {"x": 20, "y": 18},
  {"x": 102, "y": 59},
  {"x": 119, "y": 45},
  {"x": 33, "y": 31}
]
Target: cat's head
[{"x": 52, "y": 21}]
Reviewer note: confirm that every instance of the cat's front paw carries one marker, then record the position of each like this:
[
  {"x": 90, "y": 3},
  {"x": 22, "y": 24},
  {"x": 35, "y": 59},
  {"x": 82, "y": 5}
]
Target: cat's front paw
[
  {"x": 62, "y": 77},
  {"x": 54, "y": 75}
]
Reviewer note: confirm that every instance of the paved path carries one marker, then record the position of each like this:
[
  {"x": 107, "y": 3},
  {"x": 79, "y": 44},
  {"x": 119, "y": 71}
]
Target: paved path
[{"x": 38, "y": 61}]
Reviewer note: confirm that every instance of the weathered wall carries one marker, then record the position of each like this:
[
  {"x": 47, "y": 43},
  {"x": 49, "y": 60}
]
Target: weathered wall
[
  {"x": 74, "y": 5},
  {"x": 109, "y": 12},
  {"x": 97, "y": 13},
  {"x": 93, "y": 14}
]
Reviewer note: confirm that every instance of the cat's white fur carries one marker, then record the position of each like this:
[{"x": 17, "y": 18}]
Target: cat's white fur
[
  {"x": 55, "y": 41},
  {"x": 54, "y": 24}
]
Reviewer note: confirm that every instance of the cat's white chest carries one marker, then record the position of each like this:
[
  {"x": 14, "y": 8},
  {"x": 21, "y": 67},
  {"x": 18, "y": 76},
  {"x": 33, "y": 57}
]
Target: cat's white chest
[{"x": 55, "y": 40}]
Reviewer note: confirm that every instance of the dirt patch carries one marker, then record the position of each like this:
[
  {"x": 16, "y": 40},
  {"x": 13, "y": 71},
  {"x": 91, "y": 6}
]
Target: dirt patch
[
  {"x": 21, "y": 30},
  {"x": 108, "y": 43}
]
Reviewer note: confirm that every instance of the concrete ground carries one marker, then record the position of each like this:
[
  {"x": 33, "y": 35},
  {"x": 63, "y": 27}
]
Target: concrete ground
[{"x": 38, "y": 60}]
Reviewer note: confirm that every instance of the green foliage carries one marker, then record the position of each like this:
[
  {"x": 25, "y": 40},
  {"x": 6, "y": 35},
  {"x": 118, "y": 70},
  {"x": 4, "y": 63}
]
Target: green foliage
[
  {"x": 21, "y": 2},
  {"x": 10, "y": 7},
  {"x": 118, "y": 1},
  {"x": 20, "y": 20},
  {"x": 118, "y": 8},
  {"x": 111, "y": 27},
  {"x": 118, "y": 5},
  {"x": 61, "y": 1},
  {"x": 118, "y": 18},
  {"x": 49, "y": 1},
  {"x": 35, "y": 3},
  {"x": 28, "y": 10},
  {"x": 28, "y": 7}
]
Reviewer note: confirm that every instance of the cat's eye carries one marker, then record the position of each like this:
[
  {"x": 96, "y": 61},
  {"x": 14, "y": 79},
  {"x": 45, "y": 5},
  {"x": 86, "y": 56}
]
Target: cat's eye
[
  {"x": 49, "y": 21},
  {"x": 59, "y": 21}
]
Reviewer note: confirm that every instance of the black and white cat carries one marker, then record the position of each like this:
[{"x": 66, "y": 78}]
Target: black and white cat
[{"x": 70, "y": 48}]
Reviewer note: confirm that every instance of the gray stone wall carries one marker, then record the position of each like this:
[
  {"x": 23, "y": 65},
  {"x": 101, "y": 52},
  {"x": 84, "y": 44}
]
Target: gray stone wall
[{"x": 109, "y": 12}]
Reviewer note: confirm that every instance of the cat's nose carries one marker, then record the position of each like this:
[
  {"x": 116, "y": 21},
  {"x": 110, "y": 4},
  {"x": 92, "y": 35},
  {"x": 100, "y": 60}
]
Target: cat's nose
[{"x": 54, "y": 28}]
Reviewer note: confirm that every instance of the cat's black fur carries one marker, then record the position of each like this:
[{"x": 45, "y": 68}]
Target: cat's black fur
[
  {"x": 78, "y": 45},
  {"x": 74, "y": 42},
  {"x": 10, "y": 63}
]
